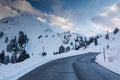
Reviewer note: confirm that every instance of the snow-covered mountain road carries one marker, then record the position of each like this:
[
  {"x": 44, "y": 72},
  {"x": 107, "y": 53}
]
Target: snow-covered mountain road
[
  {"x": 87, "y": 69},
  {"x": 80, "y": 67}
]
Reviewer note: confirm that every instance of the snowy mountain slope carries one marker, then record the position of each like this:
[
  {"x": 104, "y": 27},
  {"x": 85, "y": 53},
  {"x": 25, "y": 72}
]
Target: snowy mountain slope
[
  {"x": 112, "y": 54},
  {"x": 109, "y": 49},
  {"x": 34, "y": 29},
  {"x": 41, "y": 36},
  {"x": 30, "y": 25}
]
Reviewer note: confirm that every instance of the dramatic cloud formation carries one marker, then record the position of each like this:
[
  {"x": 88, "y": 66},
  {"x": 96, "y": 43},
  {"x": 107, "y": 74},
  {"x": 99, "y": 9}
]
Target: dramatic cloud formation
[
  {"x": 64, "y": 15},
  {"x": 18, "y": 7},
  {"x": 62, "y": 18},
  {"x": 109, "y": 19},
  {"x": 13, "y": 8},
  {"x": 25, "y": 7}
]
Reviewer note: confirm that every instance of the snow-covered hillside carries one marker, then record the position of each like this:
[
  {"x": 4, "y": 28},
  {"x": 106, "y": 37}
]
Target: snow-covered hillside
[
  {"x": 110, "y": 52},
  {"x": 29, "y": 38},
  {"x": 43, "y": 39},
  {"x": 28, "y": 24},
  {"x": 11, "y": 26},
  {"x": 40, "y": 35},
  {"x": 109, "y": 49}
]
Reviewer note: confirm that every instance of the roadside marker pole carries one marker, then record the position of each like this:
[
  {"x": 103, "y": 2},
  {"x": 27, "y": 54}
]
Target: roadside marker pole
[{"x": 104, "y": 54}]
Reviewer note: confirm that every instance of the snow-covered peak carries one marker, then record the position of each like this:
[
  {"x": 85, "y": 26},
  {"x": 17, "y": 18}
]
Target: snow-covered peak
[{"x": 28, "y": 24}]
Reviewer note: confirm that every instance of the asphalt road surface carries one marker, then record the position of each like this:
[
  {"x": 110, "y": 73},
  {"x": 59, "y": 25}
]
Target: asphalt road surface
[{"x": 82, "y": 67}]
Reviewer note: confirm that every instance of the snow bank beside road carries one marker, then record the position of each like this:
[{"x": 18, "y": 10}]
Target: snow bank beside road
[{"x": 14, "y": 71}]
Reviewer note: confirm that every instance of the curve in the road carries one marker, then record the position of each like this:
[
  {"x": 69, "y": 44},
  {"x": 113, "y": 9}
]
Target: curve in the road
[{"x": 82, "y": 67}]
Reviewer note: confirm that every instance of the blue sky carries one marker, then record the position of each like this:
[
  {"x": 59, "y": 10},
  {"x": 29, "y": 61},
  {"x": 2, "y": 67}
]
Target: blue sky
[{"x": 79, "y": 12}]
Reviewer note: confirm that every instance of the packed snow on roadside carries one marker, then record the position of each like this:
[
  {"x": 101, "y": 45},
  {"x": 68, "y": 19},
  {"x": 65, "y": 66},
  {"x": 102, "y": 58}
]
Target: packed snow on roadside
[
  {"x": 109, "y": 50},
  {"x": 14, "y": 71},
  {"x": 110, "y": 57}
]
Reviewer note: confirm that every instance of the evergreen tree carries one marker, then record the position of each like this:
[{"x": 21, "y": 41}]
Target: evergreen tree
[
  {"x": 39, "y": 36},
  {"x": 23, "y": 56},
  {"x": 55, "y": 53},
  {"x": 66, "y": 39},
  {"x": 53, "y": 36},
  {"x": 12, "y": 46},
  {"x": 13, "y": 58},
  {"x": 46, "y": 36},
  {"x": 91, "y": 39},
  {"x": 107, "y": 46},
  {"x": 84, "y": 45},
  {"x": 44, "y": 53},
  {"x": 115, "y": 30},
  {"x": 96, "y": 41},
  {"x": 107, "y": 36},
  {"x": 76, "y": 48},
  {"x": 1, "y": 34},
  {"x": 7, "y": 60},
  {"x": 77, "y": 40},
  {"x": 71, "y": 43},
  {"x": 8, "y": 49},
  {"x": 22, "y": 40},
  {"x": 67, "y": 49},
  {"x": 61, "y": 49},
  {"x": 6, "y": 40},
  {"x": 2, "y": 57}
]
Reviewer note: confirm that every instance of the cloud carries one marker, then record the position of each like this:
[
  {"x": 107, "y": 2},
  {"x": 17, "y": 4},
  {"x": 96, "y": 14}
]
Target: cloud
[
  {"x": 6, "y": 11},
  {"x": 61, "y": 22},
  {"x": 15, "y": 7},
  {"x": 109, "y": 19},
  {"x": 24, "y": 7},
  {"x": 41, "y": 19}
]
